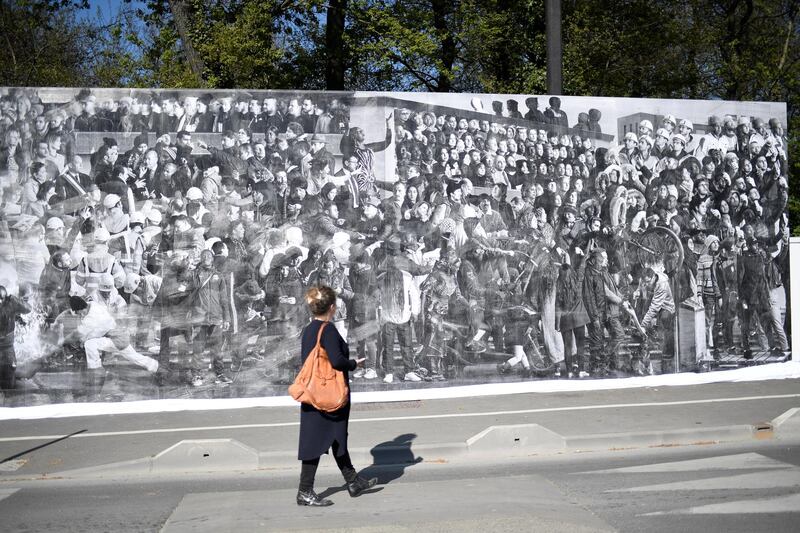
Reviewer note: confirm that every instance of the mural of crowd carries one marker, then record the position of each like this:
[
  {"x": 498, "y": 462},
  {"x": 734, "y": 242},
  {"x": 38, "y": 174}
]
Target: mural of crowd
[{"x": 463, "y": 244}]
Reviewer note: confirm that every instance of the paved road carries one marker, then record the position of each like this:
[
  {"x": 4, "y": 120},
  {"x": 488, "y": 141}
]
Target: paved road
[
  {"x": 38, "y": 447},
  {"x": 719, "y": 488},
  {"x": 64, "y": 474}
]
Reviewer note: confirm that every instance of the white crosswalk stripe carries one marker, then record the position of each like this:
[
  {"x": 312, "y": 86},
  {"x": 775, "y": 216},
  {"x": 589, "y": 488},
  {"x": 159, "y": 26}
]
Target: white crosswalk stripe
[
  {"x": 770, "y": 474},
  {"x": 758, "y": 480},
  {"x": 5, "y": 493},
  {"x": 789, "y": 503},
  {"x": 12, "y": 466},
  {"x": 739, "y": 461}
]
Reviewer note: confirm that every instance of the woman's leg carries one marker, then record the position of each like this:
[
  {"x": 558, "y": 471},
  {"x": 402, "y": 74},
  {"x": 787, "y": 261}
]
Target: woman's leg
[
  {"x": 356, "y": 484},
  {"x": 307, "y": 474},
  {"x": 344, "y": 463},
  {"x": 305, "y": 492}
]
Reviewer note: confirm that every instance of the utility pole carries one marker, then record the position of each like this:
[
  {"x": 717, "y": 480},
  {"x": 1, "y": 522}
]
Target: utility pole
[
  {"x": 334, "y": 45},
  {"x": 554, "y": 54}
]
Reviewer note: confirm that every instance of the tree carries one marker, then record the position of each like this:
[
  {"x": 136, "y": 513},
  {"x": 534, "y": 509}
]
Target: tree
[
  {"x": 232, "y": 43},
  {"x": 43, "y": 43},
  {"x": 436, "y": 45}
]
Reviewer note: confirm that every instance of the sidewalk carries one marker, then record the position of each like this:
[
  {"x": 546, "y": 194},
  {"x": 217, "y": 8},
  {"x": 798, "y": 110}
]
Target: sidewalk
[{"x": 443, "y": 430}]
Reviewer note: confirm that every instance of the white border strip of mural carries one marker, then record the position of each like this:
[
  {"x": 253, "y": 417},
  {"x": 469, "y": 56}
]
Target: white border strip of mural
[
  {"x": 786, "y": 370},
  {"x": 156, "y": 245}
]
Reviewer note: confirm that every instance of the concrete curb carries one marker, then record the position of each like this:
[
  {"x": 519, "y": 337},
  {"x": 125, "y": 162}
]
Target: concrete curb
[
  {"x": 206, "y": 455},
  {"x": 650, "y": 439},
  {"x": 494, "y": 443},
  {"x": 515, "y": 438},
  {"x": 787, "y": 425}
]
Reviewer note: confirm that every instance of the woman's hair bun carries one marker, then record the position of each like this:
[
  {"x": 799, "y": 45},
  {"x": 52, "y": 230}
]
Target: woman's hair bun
[{"x": 320, "y": 299}]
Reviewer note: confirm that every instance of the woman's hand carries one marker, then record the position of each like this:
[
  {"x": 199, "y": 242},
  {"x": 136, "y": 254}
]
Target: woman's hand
[{"x": 360, "y": 362}]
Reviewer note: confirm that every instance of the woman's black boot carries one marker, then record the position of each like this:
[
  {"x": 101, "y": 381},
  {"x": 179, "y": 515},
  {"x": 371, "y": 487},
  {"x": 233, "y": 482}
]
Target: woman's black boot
[
  {"x": 359, "y": 485},
  {"x": 312, "y": 499}
]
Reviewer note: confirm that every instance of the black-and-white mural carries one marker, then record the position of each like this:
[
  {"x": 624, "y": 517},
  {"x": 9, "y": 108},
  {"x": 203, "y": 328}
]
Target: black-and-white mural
[{"x": 157, "y": 244}]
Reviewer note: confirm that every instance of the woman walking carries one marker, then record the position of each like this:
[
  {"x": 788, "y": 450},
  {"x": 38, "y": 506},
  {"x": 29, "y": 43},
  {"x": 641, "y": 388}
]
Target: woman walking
[{"x": 320, "y": 431}]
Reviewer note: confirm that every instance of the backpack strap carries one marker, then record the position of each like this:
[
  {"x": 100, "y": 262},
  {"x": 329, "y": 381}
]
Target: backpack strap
[
  {"x": 319, "y": 334},
  {"x": 315, "y": 352}
]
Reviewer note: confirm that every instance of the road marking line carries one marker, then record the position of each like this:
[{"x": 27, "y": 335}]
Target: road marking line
[
  {"x": 770, "y": 479},
  {"x": 739, "y": 461},
  {"x": 414, "y": 417},
  {"x": 12, "y": 466},
  {"x": 5, "y": 493},
  {"x": 789, "y": 503}
]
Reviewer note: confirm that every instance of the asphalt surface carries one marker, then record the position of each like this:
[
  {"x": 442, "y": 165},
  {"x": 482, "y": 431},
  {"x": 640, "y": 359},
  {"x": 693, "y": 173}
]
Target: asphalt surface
[
  {"x": 685, "y": 458},
  {"x": 435, "y": 430},
  {"x": 713, "y": 488}
]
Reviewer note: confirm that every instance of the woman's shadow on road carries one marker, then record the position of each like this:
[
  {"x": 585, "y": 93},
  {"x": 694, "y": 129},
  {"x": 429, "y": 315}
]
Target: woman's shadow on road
[
  {"x": 391, "y": 458},
  {"x": 389, "y": 462}
]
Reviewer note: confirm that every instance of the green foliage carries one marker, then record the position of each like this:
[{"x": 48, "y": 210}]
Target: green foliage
[
  {"x": 397, "y": 41},
  {"x": 241, "y": 43},
  {"x": 636, "y": 48},
  {"x": 505, "y": 48},
  {"x": 43, "y": 43},
  {"x": 467, "y": 45}
]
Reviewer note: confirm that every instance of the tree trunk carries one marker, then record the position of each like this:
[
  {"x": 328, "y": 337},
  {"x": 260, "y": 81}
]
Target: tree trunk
[
  {"x": 334, "y": 45},
  {"x": 503, "y": 52},
  {"x": 441, "y": 8},
  {"x": 182, "y": 14}
]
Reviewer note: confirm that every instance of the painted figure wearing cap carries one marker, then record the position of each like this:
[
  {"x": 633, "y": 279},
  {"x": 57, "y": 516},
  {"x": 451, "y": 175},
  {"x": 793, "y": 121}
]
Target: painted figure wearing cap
[
  {"x": 133, "y": 242},
  {"x": 87, "y": 121},
  {"x": 669, "y": 122},
  {"x": 115, "y": 220},
  {"x": 98, "y": 261},
  {"x": 105, "y": 329},
  {"x": 628, "y": 148},
  {"x": 686, "y": 128},
  {"x": 646, "y": 128}
]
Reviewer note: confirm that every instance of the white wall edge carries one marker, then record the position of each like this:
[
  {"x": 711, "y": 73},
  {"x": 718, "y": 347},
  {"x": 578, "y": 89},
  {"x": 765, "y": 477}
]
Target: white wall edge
[
  {"x": 787, "y": 370},
  {"x": 794, "y": 273}
]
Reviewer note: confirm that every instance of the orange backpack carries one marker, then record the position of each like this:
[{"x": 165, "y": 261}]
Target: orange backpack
[{"x": 318, "y": 383}]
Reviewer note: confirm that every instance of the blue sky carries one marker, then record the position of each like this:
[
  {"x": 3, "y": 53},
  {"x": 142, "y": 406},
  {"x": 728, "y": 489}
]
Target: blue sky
[{"x": 108, "y": 8}]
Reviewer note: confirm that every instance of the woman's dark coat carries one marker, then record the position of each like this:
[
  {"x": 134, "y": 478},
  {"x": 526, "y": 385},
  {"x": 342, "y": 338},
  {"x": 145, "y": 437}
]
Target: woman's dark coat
[{"x": 318, "y": 430}]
